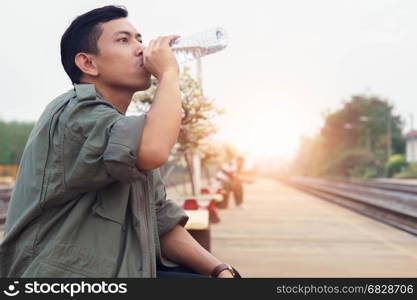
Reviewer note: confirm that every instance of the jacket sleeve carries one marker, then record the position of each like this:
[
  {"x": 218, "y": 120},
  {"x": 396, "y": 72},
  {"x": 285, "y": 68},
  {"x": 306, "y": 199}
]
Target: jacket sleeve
[
  {"x": 121, "y": 152},
  {"x": 101, "y": 147},
  {"x": 168, "y": 213}
]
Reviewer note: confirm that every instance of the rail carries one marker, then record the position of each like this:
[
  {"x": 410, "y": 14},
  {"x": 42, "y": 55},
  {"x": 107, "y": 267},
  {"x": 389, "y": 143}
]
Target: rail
[
  {"x": 394, "y": 204},
  {"x": 5, "y": 194}
]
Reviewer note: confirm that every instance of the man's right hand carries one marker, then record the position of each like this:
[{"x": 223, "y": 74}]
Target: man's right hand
[{"x": 158, "y": 58}]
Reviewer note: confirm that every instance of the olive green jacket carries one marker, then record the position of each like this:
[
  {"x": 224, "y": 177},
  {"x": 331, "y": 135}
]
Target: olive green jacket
[{"x": 80, "y": 207}]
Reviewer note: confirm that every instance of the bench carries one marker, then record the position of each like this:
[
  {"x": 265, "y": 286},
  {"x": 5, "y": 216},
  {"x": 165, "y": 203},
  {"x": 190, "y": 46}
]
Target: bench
[{"x": 198, "y": 224}]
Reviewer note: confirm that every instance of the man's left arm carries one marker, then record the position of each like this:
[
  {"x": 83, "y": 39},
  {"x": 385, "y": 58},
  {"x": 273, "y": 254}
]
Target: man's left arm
[
  {"x": 180, "y": 247},
  {"x": 177, "y": 245}
]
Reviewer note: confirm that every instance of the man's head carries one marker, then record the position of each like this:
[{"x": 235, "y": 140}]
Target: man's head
[{"x": 102, "y": 46}]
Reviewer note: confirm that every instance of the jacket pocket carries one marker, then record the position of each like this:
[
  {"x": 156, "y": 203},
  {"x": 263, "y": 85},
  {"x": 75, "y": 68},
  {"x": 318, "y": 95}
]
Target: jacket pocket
[
  {"x": 111, "y": 202},
  {"x": 52, "y": 270}
]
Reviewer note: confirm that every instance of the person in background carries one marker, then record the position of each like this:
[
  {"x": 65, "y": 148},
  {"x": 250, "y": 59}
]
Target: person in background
[{"x": 229, "y": 177}]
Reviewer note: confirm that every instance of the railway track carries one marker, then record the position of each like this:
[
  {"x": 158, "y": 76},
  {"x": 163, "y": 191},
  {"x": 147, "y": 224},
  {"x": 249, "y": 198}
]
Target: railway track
[
  {"x": 5, "y": 193},
  {"x": 394, "y": 204},
  {"x": 406, "y": 188},
  {"x": 2, "y": 218}
]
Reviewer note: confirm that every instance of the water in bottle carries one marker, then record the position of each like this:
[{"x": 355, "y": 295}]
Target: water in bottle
[{"x": 199, "y": 44}]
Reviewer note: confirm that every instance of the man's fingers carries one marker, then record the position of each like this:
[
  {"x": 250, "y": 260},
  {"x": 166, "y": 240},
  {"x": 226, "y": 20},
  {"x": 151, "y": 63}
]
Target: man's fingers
[
  {"x": 173, "y": 38},
  {"x": 151, "y": 45},
  {"x": 148, "y": 50},
  {"x": 158, "y": 42},
  {"x": 158, "y": 56},
  {"x": 165, "y": 40}
]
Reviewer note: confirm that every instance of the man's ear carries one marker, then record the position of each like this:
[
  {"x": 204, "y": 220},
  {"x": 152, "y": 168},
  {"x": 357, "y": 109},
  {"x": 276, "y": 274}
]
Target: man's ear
[{"x": 86, "y": 64}]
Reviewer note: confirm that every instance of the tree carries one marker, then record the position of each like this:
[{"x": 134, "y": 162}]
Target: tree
[
  {"x": 13, "y": 138},
  {"x": 396, "y": 164},
  {"x": 362, "y": 123},
  {"x": 355, "y": 140},
  {"x": 196, "y": 125}
]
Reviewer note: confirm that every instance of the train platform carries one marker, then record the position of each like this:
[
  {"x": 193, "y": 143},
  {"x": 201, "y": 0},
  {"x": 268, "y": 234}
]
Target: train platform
[{"x": 288, "y": 233}]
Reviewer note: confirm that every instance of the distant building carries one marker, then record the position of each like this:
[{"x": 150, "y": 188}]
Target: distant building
[{"x": 411, "y": 146}]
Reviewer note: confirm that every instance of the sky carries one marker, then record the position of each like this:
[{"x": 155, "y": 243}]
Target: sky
[{"x": 287, "y": 63}]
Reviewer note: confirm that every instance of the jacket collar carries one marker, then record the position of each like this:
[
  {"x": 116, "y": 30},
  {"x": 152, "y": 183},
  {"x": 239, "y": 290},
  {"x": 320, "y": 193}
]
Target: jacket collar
[{"x": 85, "y": 91}]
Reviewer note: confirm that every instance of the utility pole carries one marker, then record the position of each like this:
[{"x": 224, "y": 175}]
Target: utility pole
[
  {"x": 364, "y": 120},
  {"x": 196, "y": 160},
  {"x": 389, "y": 134},
  {"x": 200, "y": 73},
  {"x": 368, "y": 140}
]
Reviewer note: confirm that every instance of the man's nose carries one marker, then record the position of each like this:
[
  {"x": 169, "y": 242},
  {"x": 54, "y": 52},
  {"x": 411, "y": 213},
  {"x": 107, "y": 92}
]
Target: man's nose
[{"x": 139, "y": 49}]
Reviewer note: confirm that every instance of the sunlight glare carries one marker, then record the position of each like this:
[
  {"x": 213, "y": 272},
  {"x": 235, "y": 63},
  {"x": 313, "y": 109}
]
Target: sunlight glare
[{"x": 266, "y": 133}]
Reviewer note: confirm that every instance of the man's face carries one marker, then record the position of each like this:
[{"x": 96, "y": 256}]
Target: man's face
[{"x": 120, "y": 59}]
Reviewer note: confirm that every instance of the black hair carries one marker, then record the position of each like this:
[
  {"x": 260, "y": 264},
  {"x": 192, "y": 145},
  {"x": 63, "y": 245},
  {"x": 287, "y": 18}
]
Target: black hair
[{"x": 82, "y": 36}]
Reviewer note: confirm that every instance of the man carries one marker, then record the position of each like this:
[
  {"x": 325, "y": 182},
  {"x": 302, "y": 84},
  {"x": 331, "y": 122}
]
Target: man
[
  {"x": 88, "y": 199},
  {"x": 230, "y": 175}
]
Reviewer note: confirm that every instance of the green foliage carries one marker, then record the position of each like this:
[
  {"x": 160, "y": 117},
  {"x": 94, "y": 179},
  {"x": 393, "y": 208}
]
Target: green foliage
[
  {"x": 13, "y": 138},
  {"x": 409, "y": 172},
  {"x": 395, "y": 164},
  {"x": 353, "y": 163},
  {"x": 370, "y": 173},
  {"x": 362, "y": 123},
  {"x": 353, "y": 141}
]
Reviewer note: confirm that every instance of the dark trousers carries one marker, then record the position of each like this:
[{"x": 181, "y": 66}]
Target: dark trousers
[
  {"x": 181, "y": 272},
  {"x": 177, "y": 272},
  {"x": 235, "y": 187}
]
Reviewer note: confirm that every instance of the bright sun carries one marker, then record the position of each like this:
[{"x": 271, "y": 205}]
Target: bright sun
[{"x": 272, "y": 132}]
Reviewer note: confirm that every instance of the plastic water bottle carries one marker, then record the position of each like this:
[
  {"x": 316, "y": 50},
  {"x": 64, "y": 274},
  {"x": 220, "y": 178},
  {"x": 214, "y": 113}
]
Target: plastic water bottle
[{"x": 199, "y": 44}]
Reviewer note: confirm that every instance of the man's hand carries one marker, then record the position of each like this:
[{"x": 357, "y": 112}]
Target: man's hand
[{"x": 158, "y": 58}]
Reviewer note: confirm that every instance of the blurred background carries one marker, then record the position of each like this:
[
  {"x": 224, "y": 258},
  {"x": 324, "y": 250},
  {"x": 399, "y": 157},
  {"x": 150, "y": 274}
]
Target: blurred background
[
  {"x": 305, "y": 90},
  {"x": 289, "y": 64}
]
